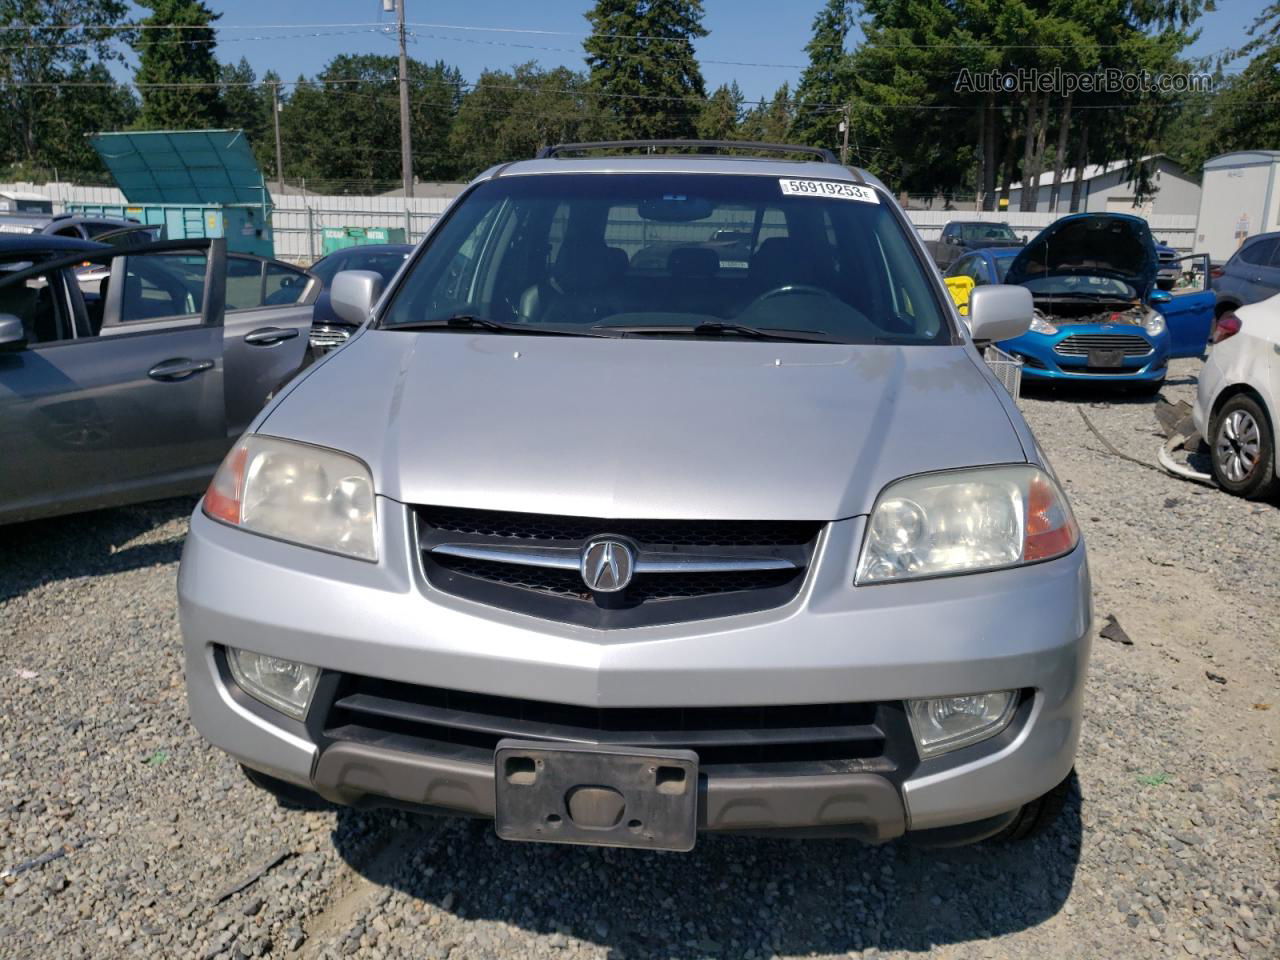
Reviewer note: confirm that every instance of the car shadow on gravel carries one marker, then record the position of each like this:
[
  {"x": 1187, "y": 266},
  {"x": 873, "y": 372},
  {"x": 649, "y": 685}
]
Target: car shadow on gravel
[
  {"x": 731, "y": 895},
  {"x": 1109, "y": 393},
  {"x": 89, "y": 544}
]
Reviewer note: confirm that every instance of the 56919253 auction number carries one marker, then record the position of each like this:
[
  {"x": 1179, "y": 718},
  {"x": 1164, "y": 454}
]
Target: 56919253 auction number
[{"x": 827, "y": 188}]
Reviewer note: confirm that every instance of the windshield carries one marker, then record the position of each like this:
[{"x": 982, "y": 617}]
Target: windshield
[
  {"x": 385, "y": 263},
  {"x": 1080, "y": 285},
  {"x": 977, "y": 234},
  {"x": 597, "y": 251},
  {"x": 1002, "y": 267}
]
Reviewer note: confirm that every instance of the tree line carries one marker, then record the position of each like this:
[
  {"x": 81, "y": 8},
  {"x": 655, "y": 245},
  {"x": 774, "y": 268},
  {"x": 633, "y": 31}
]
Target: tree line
[{"x": 894, "y": 88}]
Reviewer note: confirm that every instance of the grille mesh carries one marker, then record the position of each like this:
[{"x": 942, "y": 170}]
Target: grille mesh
[
  {"x": 649, "y": 599},
  {"x": 1079, "y": 344},
  {"x": 685, "y": 533},
  {"x": 650, "y": 587}
]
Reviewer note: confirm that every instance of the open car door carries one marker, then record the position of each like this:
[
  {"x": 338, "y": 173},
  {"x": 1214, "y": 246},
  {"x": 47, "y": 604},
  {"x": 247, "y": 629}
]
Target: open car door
[
  {"x": 115, "y": 396},
  {"x": 269, "y": 308},
  {"x": 1189, "y": 309}
]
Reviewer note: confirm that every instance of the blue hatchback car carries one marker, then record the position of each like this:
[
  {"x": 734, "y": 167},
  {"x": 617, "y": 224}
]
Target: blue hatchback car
[{"x": 1099, "y": 314}]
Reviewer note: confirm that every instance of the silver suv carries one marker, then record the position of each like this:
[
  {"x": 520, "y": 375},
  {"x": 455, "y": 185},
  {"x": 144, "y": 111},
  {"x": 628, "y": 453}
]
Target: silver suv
[{"x": 622, "y": 532}]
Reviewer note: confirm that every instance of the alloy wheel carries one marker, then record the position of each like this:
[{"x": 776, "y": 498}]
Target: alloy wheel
[{"x": 1238, "y": 445}]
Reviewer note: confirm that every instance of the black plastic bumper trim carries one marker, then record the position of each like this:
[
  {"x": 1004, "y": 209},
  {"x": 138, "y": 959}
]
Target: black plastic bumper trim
[{"x": 868, "y": 804}]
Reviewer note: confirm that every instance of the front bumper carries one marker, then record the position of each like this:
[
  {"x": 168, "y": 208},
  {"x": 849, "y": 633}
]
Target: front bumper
[
  {"x": 1026, "y": 629},
  {"x": 1042, "y": 360}
]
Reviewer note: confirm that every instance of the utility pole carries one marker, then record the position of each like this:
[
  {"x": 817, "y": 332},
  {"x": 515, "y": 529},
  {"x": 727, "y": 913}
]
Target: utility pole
[
  {"x": 844, "y": 145},
  {"x": 406, "y": 153},
  {"x": 275, "y": 116}
]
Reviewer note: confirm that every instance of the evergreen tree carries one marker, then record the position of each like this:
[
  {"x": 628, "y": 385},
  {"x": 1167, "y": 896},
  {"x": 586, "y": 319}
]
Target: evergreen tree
[
  {"x": 45, "y": 124},
  {"x": 642, "y": 65},
  {"x": 346, "y": 126},
  {"x": 771, "y": 120},
  {"x": 825, "y": 83},
  {"x": 509, "y": 115},
  {"x": 181, "y": 56},
  {"x": 246, "y": 106},
  {"x": 721, "y": 114}
]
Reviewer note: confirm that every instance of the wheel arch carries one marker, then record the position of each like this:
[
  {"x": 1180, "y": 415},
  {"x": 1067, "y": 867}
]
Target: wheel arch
[
  {"x": 1224, "y": 306},
  {"x": 1235, "y": 390}
]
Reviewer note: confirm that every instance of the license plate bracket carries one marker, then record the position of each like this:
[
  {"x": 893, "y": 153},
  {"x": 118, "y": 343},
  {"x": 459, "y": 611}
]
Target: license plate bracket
[
  {"x": 1106, "y": 358},
  {"x": 610, "y": 796}
]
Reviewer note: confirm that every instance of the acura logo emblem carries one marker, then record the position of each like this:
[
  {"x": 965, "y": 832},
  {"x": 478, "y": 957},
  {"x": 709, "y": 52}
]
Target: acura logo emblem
[{"x": 607, "y": 565}]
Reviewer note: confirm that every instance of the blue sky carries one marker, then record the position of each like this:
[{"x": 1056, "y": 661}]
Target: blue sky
[{"x": 763, "y": 32}]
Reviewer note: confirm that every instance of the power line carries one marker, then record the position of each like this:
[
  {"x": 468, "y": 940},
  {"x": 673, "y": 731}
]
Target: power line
[{"x": 219, "y": 27}]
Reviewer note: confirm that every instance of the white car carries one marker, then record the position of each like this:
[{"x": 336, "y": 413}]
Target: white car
[{"x": 1238, "y": 399}]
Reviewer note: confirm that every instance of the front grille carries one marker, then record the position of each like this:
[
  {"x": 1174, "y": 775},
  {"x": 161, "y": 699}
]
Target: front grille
[
  {"x": 568, "y": 583},
  {"x": 813, "y": 738},
  {"x": 325, "y": 337},
  {"x": 503, "y": 524},
  {"x": 651, "y": 598},
  {"x": 1079, "y": 344}
]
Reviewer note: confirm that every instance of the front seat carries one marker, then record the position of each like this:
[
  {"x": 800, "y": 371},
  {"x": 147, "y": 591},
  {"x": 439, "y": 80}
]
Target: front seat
[
  {"x": 582, "y": 286},
  {"x": 780, "y": 261}
]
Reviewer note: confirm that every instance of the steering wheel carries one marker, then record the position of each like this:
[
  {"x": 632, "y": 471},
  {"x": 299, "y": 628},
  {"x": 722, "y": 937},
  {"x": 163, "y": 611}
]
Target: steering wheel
[{"x": 786, "y": 290}]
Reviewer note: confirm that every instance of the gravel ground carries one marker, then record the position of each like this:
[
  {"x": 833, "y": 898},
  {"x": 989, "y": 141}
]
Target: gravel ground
[{"x": 1168, "y": 846}]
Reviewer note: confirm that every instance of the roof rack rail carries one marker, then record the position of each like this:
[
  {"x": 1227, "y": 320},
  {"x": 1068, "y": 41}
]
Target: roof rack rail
[{"x": 820, "y": 153}]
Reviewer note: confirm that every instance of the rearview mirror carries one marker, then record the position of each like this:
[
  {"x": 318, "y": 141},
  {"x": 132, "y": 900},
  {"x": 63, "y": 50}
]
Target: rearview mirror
[
  {"x": 999, "y": 311},
  {"x": 13, "y": 335},
  {"x": 353, "y": 294}
]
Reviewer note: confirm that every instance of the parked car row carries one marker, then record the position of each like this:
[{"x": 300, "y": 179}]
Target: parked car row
[
  {"x": 126, "y": 373},
  {"x": 1101, "y": 313}
]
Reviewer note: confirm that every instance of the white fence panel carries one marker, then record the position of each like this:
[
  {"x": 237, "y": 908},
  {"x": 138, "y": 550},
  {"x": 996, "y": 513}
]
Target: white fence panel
[{"x": 299, "y": 220}]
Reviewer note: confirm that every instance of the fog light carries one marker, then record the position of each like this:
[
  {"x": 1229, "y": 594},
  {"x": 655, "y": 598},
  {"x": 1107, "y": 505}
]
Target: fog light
[
  {"x": 283, "y": 684},
  {"x": 947, "y": 723}
]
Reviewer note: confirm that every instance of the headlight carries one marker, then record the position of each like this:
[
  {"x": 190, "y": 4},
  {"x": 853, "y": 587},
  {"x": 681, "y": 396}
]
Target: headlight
[
  {"x": 964, "y": 521},
  {"x": 284, "y": 684},
  {"x": 1153, "y": 323},
  {"x": 946, "y": 723},
  {"x": 1040, "y": 325},
  {"x": 307, "y": 495}
]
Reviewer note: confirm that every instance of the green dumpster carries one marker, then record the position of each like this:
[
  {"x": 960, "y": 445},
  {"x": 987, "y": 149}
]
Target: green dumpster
[
  {"x": 197, "y": 183},
  {"x": 339, "y": 238}
]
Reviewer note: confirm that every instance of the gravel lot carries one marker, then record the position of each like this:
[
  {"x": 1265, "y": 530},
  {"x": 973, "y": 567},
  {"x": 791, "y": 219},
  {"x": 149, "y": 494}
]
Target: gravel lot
[{"x": 1167, "y": 848}]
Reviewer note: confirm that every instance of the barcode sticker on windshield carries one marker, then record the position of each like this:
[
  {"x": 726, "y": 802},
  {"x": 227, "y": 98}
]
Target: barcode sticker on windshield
[{"x": 827, "y": 188}]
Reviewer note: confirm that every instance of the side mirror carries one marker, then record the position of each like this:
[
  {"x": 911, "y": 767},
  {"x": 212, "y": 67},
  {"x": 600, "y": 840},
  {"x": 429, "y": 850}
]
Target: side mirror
[
  {"x": 1159, "y": 298},
  {"x": 353, "y": 294},
  {"x": 13, "y": 335},
  {"x": 999, "y": 311}
]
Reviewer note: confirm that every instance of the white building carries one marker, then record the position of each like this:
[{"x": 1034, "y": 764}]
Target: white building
[{"x": 1106, "y": 189}]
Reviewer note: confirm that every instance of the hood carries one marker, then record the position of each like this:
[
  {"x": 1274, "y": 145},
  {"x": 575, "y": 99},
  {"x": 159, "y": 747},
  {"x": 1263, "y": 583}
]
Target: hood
[
  {"x": 647, "y": 429},
  {"x": 1090, "y": 244}
]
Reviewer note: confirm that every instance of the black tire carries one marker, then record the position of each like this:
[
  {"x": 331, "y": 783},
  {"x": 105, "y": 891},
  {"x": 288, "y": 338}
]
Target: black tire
[
  {"x": 1242, "y": 449},
  {"x": 288, "y": 795},
  {"x": 1037, "y": 816}
]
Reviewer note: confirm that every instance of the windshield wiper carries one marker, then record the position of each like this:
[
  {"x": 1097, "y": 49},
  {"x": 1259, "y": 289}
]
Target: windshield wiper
[
  {"x": 471, "y": 321},
  {"x": 718, "y": 329}
]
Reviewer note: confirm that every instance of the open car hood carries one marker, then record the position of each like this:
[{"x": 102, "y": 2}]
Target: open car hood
[{"x": 1090, "y": 244}]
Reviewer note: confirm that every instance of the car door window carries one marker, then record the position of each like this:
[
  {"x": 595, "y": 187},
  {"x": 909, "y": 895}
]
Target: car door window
[
  {"x": 284, "y": 286},
  {"x": 162, "y": 286},
  {"x": 244, "y": 283},
  {"x": 1260, "y": 253},
  {"x": 42, "y": 303},
  {"x": 958, "y": 268}
]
